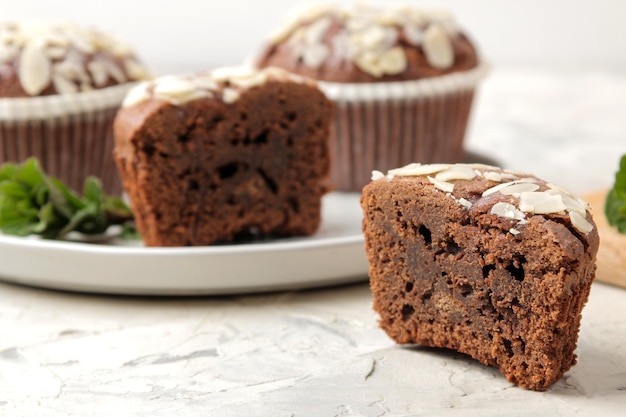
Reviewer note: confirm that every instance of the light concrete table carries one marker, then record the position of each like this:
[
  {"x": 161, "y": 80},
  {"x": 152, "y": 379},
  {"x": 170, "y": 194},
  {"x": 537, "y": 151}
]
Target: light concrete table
[{"x": 320, "y": 352}]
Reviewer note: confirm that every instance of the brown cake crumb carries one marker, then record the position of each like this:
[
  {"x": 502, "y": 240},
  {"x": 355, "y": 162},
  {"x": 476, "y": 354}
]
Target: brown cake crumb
[
  {"x": 491, "y": 263},
  {"x": 209, "y": 157}
]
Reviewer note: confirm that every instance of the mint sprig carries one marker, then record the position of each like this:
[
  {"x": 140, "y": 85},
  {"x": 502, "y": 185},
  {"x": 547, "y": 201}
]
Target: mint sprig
[
  {"x": 33, "y": 203},
  {"x": 615, "y": 205}
]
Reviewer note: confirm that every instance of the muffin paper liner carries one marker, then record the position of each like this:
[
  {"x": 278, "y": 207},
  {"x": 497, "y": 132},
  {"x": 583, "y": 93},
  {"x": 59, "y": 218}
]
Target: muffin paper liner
[
  {"x": 71, "y": 135},
  {"x": 387, "y": 125}
]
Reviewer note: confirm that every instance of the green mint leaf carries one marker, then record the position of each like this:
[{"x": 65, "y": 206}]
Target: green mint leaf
[
  {"x": 63, "y": 200},
  {"x": 615, "y": 205},
  {"x": 7, "y": 171},
  {"x": 33, "y": 203},
  {"x": 47, "y": 218},
  {"x": 92, "y": 191},
  {"x": 29, "y": 173}
]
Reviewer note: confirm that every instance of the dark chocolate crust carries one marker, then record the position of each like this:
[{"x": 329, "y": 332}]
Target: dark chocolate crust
[
  {"x": 444, "y": 275},
  {"x": 345, "y": 71},
  {"x": 207, "y": 171}
]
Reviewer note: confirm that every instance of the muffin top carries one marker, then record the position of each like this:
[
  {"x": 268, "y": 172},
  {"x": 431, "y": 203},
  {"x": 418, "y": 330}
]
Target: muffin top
[
  {"x": 508, "y": 194},
  {"x": 225, "y": 84},
  {"x": 366, "y": 43},
  {"x": 46, "y": 58}
]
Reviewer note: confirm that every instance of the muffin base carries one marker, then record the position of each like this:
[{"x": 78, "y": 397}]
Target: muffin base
[
  {"x": 382, "y": 126},
  {"x": 389, "y": 134},
  {"x": 69, "y": 148},
  {"x": 71, "y": 135}
]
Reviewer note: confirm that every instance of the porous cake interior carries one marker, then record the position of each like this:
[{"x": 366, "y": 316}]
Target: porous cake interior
[
  {"x": 207, "y": 171},
  {"x": 446, "y": 276}
]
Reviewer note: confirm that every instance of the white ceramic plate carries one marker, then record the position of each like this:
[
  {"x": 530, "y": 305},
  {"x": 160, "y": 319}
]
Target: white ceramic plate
[{"x": 333, "y": 255}]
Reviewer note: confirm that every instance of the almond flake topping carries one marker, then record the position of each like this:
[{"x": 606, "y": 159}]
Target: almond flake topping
[
  {"x": 51, "y": 53},
  {"x": 456, "y": 172},
  {"x": 519, "y": 188},
  {"x": 507, "y": 210},
  {"x": 438, "y": 47},
  {"x": 228, "y": 82},
  {"x": 35, "y": 69},
  {"x": 465, "y": 203},
  {"x": 368, "y": 35},
  {"x": 416, "y": 170},
  {"x": 539, "y": 202},
  {"x": 523, "y": 192},
  {"x": 376, "y": 175},
  {"x": 447, "y": 187},
  {"x": 580, "y": 222}
]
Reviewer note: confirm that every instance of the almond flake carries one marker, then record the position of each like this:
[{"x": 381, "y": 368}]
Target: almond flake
[
  {"x": 205, "y": 82},
  {"x": 393, "y": 61},
  {"x": 314, "y": 55},
  {"x": 465, "y": 203},
  {"x": 539, "y": 202},
  {"x": 577, "y": 205},
  {"x": 80, "y": 43},
  {"x": 438, "y": 47},
  {"x": 456, "y": 172},
  {"x": 115, "y": 71},
  {"x": 447, "y": 187},
  {"x": 230, "y": 95},
  {"x": 519, "y": 188},
  {"x": 174, "y": 87},
  {"x": 314, "y": 33},
  {"x": 136, "y": 95},
  {"x": 506, "y": 210},
  {"x": 580, "y": 222},
  {"x": 413, "y": 34},
  {"x": 34, "y": 69},
  {"x": 373, "y": 37},
  {"x": 508, "y": 176},
  {"x": 415, "y": 169},
  {"x": 227, "y": 74},
  {"x": 514, "y": 231},
  {"x": 376, "y": 175},
  {"x": 493, "y": 176},
  {"x": 99, "y": 73},
  {"x": 63, "y": 85},
  {"x": 56, "y": 52},
  {"x": 369, "y": 63},
  {"x": 498, "y": 187}
]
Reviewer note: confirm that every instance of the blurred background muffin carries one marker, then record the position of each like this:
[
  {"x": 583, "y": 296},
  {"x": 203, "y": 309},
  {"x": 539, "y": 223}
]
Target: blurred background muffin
[
  {"x": 402, "y": 79},
  {"x": 61, "y": 85}
]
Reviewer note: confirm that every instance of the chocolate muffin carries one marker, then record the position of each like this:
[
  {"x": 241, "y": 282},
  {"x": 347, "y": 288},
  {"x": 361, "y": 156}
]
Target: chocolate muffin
[
  {"x": 402, "y": 78},
  {"x": 61, "y": 85},
  {"x": 210, "y": 157},
  {"x": 492, "y": 263}
]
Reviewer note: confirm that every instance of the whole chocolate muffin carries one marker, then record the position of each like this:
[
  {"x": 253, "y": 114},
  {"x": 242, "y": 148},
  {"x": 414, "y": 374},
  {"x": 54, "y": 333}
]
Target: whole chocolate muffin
[
  {"x": 213, "y": 156},
  {"x": 402, "y": 78},
  {"x": 60, "y": 87},
  {"x": 493, "y": 263}
]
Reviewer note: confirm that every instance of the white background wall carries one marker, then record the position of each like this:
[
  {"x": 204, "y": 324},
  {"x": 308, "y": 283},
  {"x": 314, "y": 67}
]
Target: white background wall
[{"x": 188, "y": 35}]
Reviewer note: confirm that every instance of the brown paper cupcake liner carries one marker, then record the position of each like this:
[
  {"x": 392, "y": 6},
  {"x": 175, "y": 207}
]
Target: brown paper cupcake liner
[
  {"x": 387, "y": 125},
  {"x": 71, "y": 135}
]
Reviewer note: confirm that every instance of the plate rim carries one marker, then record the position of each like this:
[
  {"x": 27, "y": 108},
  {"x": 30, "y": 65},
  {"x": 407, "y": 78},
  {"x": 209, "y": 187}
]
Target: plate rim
[{"x": 333, "y": 257}]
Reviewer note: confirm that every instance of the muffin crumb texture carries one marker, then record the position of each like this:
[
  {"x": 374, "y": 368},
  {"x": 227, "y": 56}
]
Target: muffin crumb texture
[
  {"x": 216, "y": 157},
  {"x": 45, "y": 58},
  {"x": 493, "y": 263}
]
